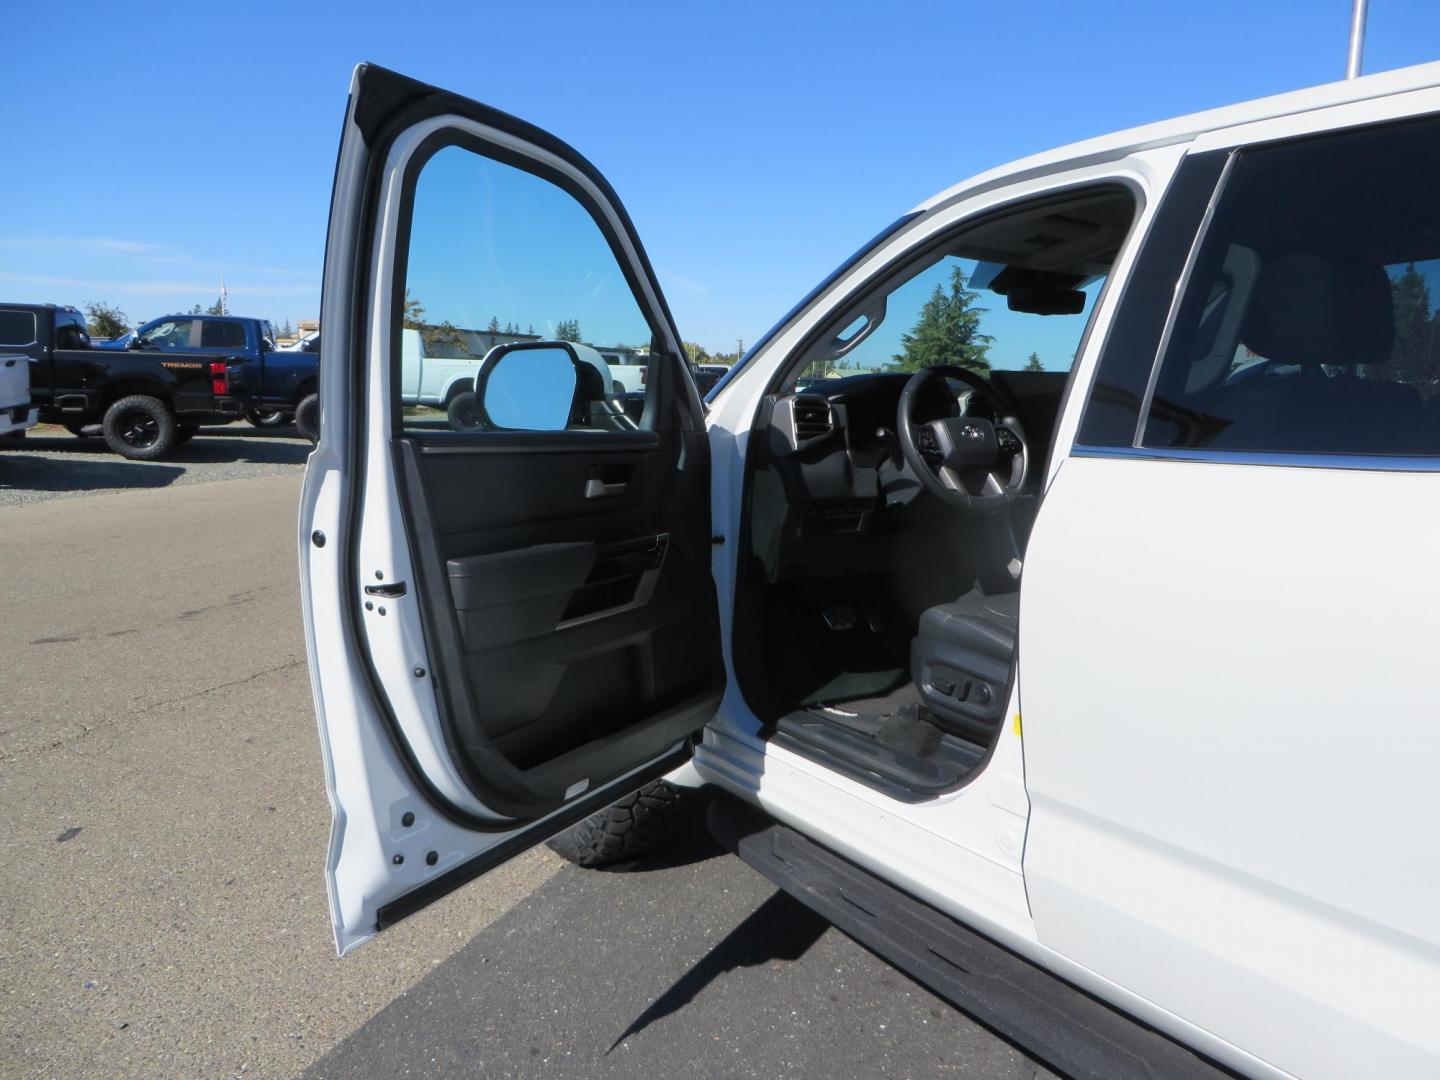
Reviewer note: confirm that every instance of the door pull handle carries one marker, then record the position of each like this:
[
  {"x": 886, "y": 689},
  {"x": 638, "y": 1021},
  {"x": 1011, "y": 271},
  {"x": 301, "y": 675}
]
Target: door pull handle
[{"x": 595, "y": 488}]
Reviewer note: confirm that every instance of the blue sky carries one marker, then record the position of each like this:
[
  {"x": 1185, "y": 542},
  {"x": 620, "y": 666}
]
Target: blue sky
[{"x": 155, "y": 147}]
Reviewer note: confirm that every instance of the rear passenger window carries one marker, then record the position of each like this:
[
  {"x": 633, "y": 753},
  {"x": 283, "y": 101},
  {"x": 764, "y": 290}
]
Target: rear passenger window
[
  {"x": 17, "y": 327},
  {"x": 1309, "y": 320},
  {"x": 222, "y": 335}
]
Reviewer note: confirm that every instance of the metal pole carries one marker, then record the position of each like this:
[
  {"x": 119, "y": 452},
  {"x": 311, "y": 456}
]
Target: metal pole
[{"x": 1357, "y": 38}]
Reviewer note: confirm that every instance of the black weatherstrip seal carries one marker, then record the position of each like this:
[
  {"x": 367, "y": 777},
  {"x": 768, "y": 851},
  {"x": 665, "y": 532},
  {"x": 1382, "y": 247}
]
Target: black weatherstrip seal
[{"x": 513, "y": 845}]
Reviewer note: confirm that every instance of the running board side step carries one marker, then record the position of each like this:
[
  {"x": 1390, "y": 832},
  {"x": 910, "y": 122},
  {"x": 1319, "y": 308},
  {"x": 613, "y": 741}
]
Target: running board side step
[{"x": 1052, "y": 1021}]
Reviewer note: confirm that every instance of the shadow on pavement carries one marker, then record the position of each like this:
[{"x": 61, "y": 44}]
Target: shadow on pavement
[
  {"x": 781, "y": 928},
  {"x": 20, "y": 471}
]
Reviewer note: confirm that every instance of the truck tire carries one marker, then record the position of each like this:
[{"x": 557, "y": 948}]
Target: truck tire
[
  {"x": 140, "y": 427},
  {"x": 636, "y": 825},
  {"x": 267, "y": 417},
  {"x": 79, "y": 430},
  {"x": 307, "y": 417},
  {"x": 464, "y": 411}
]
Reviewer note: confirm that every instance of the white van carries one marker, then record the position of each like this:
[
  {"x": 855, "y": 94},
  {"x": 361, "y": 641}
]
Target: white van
[{"x": 1075, "y": 651}]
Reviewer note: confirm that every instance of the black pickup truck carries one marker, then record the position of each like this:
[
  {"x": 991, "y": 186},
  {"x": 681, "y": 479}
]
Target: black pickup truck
[{"x": 145, "y": 402}]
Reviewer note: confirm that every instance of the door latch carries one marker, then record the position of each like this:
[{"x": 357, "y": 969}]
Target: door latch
[{"x": 388, "y": 592}]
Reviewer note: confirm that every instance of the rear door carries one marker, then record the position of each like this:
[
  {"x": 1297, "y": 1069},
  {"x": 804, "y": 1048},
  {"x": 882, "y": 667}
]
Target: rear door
[
  {"x": 510, "y": 615},
  {"x": 1232, "y": 606}
]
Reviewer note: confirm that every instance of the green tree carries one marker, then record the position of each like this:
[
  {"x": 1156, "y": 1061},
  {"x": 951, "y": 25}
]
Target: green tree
[
  {"x": 412, "y": 313},
  {"x": 1413, "y": 359},
  {"x": 217, "y": 308},
  {"x": 567, "y": 330},
  {"x": 106, "y": 320},
  {"x": 197, "y": 310},
  {"x": 1033, "y": 364},
  {"x": 445, "y": 339},
  {"x": 531, "y": 331},
  {"x": 947, "y": 331},
  {"x": 494, "y": 326},
  {"x": 696, "y": 353}
]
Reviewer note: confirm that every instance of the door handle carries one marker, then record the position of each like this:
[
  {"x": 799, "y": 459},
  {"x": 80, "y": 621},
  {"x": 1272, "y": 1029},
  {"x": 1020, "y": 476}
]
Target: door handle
[
  {"x": 392, "y": 591},
  {"x": 595, "y": 488}
]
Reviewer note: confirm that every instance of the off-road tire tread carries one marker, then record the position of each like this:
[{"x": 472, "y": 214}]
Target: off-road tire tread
[
  {"x": 633, "y": 826},
  {"x": 164, "y": 443}
]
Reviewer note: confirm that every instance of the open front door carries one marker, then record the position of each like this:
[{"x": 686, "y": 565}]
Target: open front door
[{"x": 508, "y": 603}]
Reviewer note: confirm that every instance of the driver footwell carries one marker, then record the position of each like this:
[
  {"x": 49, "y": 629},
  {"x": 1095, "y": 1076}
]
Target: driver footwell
[{"x": 887, "y": 741}]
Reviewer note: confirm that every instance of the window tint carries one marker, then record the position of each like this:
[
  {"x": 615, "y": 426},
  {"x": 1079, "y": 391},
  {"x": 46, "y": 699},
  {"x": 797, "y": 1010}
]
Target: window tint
[
  {"x": 1309, "y": 320},
  {"x": 222, "y": 335},
  {"x": 16, "y": 327},
  {"x": 499, "y": 256}
]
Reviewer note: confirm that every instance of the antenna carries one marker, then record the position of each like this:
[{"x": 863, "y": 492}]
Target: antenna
[{"x": 1357, "y": 38}]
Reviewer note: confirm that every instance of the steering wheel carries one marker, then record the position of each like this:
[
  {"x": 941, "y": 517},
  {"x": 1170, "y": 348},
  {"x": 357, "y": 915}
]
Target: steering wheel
[{"x": 968, "y": 462}]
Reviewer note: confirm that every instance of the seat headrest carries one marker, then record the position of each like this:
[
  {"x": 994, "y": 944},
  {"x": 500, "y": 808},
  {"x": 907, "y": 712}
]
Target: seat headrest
[{"x": 1313, "y": 309}]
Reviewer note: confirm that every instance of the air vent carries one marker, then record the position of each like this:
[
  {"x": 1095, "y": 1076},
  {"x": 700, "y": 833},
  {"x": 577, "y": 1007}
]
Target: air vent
[{"x": 812, "y": 418}]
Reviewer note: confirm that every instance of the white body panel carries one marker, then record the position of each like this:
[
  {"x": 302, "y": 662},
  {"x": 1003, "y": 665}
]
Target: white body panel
[
  {"x": 15, "y": 392},
  {"x": 1229, "y": 743}
]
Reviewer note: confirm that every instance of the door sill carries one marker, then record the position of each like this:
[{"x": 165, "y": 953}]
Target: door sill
[{"x": 902, "y": 756}]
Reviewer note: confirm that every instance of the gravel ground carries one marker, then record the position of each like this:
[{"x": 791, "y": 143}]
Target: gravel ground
[{"x": 50, "y": 463}]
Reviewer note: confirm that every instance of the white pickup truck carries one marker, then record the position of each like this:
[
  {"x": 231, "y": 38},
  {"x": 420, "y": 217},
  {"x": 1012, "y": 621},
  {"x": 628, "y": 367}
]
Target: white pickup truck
[
  {"x": 432, "y": 380},
  {"x": 16, "y": 411}
]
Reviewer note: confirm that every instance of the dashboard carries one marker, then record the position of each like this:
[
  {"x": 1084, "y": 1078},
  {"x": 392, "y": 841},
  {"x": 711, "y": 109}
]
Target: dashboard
[{"x": 830, "y": 484}]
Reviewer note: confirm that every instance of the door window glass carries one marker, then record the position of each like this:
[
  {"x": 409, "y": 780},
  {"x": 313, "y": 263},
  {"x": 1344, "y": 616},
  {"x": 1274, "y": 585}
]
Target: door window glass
[
  {"x": 499, "y": 256},
  {"x": 169, "y": 334},
  {"x": 1309, "y": 321},
  {"x": 17, "y": 327},
  {"x": 222, "y": 335}
]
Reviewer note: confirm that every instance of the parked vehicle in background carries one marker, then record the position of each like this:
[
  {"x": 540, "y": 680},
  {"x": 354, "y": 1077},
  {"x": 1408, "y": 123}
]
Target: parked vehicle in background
[
  {"x": 435, "y": 381},
  {"x": 628, "y": 370},
  {"x": 16, "y": 411},
  {"x": 707, "y": 375},
  {"x": 277, "y": 381},
  {"x": 310, "y": 342},
  {"x": 147, "y": 400}
]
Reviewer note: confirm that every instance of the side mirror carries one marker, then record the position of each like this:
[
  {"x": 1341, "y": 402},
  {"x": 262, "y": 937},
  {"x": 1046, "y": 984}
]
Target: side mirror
[
  {"x": 530, "y": 386},
  {"x": 135, "y": 343}
]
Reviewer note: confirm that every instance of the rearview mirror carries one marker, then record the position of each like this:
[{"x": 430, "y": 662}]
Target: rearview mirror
[{"x": 1038, "y": 301}]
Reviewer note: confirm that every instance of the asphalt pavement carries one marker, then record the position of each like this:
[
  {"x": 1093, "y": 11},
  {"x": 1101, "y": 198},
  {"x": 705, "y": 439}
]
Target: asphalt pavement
[
  {"x": 165, "y": 819},
  {"x": 166, "y": 826},
  {"x": 689, "y": 966}
]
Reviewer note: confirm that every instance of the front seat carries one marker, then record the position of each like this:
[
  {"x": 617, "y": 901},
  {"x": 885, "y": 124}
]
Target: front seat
[{"x": 961, "y": 658}]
